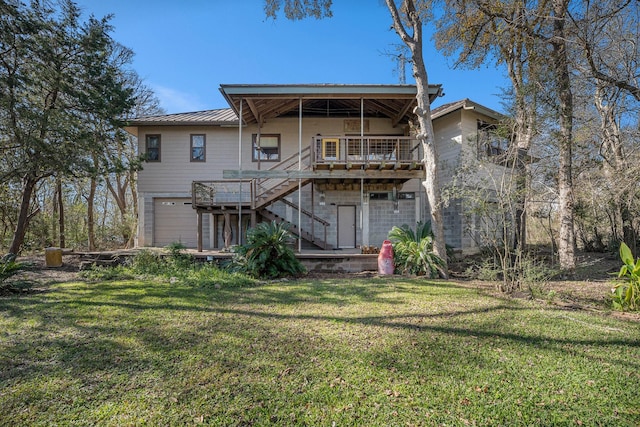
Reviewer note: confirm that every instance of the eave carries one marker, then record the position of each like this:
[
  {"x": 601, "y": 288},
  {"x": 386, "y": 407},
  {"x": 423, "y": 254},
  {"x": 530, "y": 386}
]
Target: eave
[{"x": 264, "y": 102}]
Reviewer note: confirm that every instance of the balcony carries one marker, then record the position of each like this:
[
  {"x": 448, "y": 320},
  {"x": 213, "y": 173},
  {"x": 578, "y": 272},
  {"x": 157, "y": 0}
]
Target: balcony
[{"x": 356, "y": 152}]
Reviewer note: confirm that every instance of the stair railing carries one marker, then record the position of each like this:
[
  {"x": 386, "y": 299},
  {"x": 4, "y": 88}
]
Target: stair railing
[{"x": 263, "y": 186}]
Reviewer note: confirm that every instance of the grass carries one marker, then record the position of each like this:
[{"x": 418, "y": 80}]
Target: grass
[{"x": 310, "y": 352}]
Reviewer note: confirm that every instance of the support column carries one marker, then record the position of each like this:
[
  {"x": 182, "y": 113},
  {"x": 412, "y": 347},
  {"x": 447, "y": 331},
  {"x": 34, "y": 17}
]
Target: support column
[
  {"x": 214, "y": 238},
  {"x": 199, "y": 231}
]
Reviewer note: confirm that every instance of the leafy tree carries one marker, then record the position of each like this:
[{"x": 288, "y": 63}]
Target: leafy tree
[
  {"x": 56, "y": 74},
  {"x": 408, "y": 24}
]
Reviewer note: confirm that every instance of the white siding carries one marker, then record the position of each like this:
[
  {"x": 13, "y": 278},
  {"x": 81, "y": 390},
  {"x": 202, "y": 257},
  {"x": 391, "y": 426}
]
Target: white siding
[{"x": 175, "y": 171}]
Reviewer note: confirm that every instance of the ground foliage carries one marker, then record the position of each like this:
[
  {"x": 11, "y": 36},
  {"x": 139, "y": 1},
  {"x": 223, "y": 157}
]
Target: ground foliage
[
  {"x": 413, "y": 251},
  {"x": 323, "y": 351},
  {"x": 267, "y": 254}
]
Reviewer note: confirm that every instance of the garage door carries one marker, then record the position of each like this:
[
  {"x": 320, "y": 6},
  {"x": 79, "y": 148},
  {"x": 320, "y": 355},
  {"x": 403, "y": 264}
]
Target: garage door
[{"x": 175, "y": 221}]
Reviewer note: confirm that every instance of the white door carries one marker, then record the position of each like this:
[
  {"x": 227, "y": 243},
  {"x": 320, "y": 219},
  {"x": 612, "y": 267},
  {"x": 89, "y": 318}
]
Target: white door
[
  {"x": 346, "y": 227},
  {"x": 174, "y": 221}
]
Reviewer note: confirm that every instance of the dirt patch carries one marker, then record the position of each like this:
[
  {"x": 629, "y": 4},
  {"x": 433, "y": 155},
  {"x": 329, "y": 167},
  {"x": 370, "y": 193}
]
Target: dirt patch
[{"x": 37, "y": 277}]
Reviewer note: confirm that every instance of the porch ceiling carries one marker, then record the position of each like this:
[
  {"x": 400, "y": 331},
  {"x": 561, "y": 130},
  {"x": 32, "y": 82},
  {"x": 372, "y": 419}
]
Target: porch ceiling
[{"x": 264, "y": 102}]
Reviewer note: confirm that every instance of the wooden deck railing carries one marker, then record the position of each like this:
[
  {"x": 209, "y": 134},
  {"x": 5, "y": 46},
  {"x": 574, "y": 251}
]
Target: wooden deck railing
[
  {"x": 366, "y": 150},
  {"x": 222, "y": 193}
]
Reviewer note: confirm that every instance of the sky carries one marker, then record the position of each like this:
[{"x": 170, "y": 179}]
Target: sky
[{"x": 185, "y": 49}]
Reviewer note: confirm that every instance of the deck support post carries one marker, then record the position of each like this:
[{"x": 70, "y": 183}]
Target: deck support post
[
  {"x": 199, "y": 231},
  {"x": 214, "y": 221}
]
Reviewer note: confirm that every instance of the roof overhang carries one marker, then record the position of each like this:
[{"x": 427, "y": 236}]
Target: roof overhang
[
  {"x": 264, "y": 102},
  {"x": 465, "y": 104}
]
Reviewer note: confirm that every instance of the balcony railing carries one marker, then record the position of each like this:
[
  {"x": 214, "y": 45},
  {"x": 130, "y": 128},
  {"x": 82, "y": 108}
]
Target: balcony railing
[
  {"x": 222, "y": 193},
  {"x": 368, "y": 151}
]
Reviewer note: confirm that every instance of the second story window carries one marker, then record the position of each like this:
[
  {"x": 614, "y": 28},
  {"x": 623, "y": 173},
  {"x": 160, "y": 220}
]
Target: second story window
[
  {"x": 198, "y": 148},
  {"x": 266, "y": 148},
  {"x": 152, "y": 148},
  {"x": 490, "y": 141}
]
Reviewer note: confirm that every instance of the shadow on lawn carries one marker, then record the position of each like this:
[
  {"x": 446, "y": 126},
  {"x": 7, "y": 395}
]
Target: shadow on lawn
[{"x": 68, "y": 331}]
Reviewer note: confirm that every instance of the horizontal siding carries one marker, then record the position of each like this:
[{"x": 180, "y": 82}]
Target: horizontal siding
[
  {"x": 175, "y": 171},
  {"x": 448, "y": 143}
]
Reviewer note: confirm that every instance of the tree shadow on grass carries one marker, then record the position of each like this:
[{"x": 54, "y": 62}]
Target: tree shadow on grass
[{"x": 71, "y": 333}]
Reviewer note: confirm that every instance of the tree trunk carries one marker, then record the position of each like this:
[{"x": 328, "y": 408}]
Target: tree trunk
[
  {"x": 91, "y": 234},
  {"x": 28, "y": 185},
  {"x": 61, "y": 212},
  {"x": 566, "y": 242},
  {"x": 423, "y": 114},
  {"x": 120, "y": 196}
]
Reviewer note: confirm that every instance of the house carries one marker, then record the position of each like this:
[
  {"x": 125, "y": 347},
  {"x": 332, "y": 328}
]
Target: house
[{"x": 339, "y": 163}]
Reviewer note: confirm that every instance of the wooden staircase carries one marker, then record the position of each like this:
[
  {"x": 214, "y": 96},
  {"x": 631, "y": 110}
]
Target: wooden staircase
[
  {"x": 294, "y": 229},
  {"x": 269, "y": 190}
]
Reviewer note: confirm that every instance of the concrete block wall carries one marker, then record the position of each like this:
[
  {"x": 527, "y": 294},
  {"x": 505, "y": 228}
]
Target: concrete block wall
[{"x": 382, "y": 218}]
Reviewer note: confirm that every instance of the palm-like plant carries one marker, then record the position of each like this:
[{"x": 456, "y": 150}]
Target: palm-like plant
[
  {"x": 413, "y": 252},
  {"x": 266, "y": 253}
]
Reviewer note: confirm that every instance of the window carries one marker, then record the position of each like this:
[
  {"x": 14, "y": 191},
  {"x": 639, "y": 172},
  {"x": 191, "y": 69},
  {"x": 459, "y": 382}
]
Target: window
[
  {"x": 152, "y": 148},
  {"x": 266, "y": 148},
  {"x": 490, "y": 142},
  {"x": 330, "y": 148},
  {"x": 198, "y": 148}
]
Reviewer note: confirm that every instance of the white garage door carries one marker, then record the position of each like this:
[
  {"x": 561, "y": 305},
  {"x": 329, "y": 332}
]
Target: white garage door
[{"x": 175, "y": 221}]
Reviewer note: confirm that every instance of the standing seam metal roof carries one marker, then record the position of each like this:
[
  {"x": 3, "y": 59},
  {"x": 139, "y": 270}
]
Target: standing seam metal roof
[{"x": 220, "y": 116}]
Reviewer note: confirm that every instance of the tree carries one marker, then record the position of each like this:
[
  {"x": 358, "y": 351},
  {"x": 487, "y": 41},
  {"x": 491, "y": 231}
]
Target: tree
[
  {"x": 476, "y": 33},
  {"x": 408, "y": 24},
  {"x": 125, "y": 161},
  {"x": 55, "y": 72},
  {"x": 607, "y": 62},
  {"x": 520, "y": 34}
]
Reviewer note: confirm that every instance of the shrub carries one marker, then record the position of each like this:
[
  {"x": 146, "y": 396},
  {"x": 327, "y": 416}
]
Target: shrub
[
  {"x": 147, "y": 262},
  {"x": 266, "y": 253},
  {"x": 177, "y": 257},
  {"x": 9, "y": 267},
  {"x": 413, "y": 252},
  {"x": 626, "y": 295}
]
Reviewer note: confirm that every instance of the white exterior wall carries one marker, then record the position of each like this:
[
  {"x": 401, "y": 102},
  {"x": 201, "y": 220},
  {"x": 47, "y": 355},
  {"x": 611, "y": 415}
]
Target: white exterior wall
[{"x": 172, "y": 176}]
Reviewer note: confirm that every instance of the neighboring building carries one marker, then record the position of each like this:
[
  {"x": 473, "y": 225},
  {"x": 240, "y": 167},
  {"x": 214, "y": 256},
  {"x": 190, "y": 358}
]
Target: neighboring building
[{"x": 338, "y": 162}]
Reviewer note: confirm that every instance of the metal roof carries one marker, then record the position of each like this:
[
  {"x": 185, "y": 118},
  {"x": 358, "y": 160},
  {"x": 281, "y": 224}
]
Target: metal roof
[
  {"x": 465, "y": 104},
  {"x": 264, "y": 101},
  {"x": 222, "y": 116}
]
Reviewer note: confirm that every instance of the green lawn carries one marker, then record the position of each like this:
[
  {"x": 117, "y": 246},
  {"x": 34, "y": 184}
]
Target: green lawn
[{"x": 388, "y": 352}]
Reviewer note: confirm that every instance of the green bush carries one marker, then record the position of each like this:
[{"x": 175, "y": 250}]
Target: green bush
[
  {"x": 176, "y": 267},
  {"x": 266, "y": 254},
  {"x": 9, "y": 267},
  {"x": 209, "y": 275},
  {"x": 626, "y": 295},
  {"x": 177, "y": 257},
  {"x": 147, "y": 262},
  {"x": 413, "y": 252}
]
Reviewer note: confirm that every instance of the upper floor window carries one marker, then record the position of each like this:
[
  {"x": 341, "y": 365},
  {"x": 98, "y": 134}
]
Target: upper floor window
[
  {"x": 198, "y": 148},
  {"x": 491, "y": 143},
  {"x": 266, "y": 148},
  {"x": 152, "y": 148}
]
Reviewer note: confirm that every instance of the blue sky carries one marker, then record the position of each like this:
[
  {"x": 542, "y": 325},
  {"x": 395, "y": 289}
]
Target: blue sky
[{"x": 185, "y": 49}]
